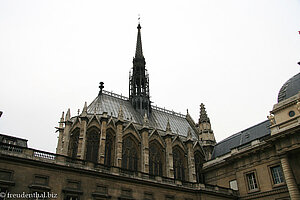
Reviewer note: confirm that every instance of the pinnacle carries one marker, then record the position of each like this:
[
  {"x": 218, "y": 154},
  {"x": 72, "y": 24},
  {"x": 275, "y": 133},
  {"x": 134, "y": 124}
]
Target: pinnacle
[{"x": 203, "y": 114}]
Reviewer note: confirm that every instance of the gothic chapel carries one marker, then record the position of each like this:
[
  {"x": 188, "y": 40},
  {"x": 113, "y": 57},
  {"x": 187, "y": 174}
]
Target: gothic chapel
[
  {"x": 124, "y": 148},
  {"x": 133, "y": 135}
]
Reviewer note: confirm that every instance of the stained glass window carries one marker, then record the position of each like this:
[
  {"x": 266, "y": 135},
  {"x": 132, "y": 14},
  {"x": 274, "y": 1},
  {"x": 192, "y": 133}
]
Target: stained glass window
[
  {"x": 178, "y": 164},
  {"x": 92, "y": 149},
  {"x": 129, "y": 154},
  {"x": 109, "y": 147},
  {"x": 155, "y": 159}
]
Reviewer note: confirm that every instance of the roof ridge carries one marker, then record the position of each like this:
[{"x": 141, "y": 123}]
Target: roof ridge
[{"x": 112, "y": 94}]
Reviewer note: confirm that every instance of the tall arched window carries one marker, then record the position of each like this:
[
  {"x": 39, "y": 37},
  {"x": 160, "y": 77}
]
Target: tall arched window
[
  {"x": 129, "y": 154},
  {"x": 92, "y": 145},
  {"x": 155, "y": 159},
  {"x": 73, "y": 144},
  {"x": 109, "y": 149},
  {"x": 179, "y": 164},
  {"x": 199, "y": 160}
]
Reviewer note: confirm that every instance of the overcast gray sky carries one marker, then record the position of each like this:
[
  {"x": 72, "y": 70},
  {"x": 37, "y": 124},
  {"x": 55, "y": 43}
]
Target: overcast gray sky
[{"x": 232, "y": 55}]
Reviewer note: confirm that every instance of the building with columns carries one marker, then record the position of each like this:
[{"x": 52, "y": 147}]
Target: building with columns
[
  {"x": 262, "y": 162},
  {"x": 125, "y": 148}
]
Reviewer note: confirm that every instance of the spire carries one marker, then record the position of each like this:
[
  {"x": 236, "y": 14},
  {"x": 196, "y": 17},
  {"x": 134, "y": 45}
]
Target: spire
[
  {"x": 139, "y": 80},
  {"x": 139, "y": 49},
  {"x": 203, "y": 114}
]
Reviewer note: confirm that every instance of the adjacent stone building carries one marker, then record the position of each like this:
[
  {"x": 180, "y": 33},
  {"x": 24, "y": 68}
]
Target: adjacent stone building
[
  {"x": 262, "y": 162},
  {"x": 125, "y": 148}
]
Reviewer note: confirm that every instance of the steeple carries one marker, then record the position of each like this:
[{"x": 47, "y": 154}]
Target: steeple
[
  {"x": 139, "y": 49},
  {"x": 139, "y": 80}
]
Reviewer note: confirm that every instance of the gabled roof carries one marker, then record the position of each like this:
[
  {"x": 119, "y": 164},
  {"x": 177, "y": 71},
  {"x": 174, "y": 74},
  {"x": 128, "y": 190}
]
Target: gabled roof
[
  {"x": 110, "y": 103},
  {"x": 242, "y": 138}
]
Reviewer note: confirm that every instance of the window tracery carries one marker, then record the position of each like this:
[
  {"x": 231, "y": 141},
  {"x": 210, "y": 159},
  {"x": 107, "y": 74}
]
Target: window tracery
[
  {"x": 179, "y": 164},
  {"x": 109, "y": 149},
  {"x": 93, "y": 137},
  {"x": 129, "y": 154},
  {"x": 155, "y": 159}
]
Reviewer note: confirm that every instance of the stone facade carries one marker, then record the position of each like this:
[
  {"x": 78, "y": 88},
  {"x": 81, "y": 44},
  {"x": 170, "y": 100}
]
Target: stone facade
[
  {"x": 32, "y": 171},
  {"x": 266, "y": 168},
  {"x": 125, "y": 148}
]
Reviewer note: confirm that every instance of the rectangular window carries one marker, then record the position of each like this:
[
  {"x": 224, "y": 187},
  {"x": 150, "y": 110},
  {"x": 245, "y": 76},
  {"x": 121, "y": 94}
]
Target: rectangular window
[
  {"x": 233, "y": 185},
  {"x": 5, "y": 175},
  {"x": 126, "y": 192},
  {"x": 40, "y": 180},
  {"x": 73, "y": 184},
  {"x": 148, "y": 196},
  {"x": 252, "y": 183},
  {"x": 277, "y": 174},
  {"x": 101, "y": 189}
]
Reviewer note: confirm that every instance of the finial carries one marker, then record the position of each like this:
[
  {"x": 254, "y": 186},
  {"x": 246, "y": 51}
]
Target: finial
[
  {"x": 189, "y": 134},
  {"x": 84, "y": 110},
  {"x": 61, "y": 125},
  {"x": 139, "y": 22},
  {"x": 203, "y": 114},
  {"x": 139, "y": 18},
  {"x": 168, "y": 128},
  {"x": 78, "y": 111},
  {"x": 62, "y": 116},
  {"x": 68, "y": 115},
  {"x": 101, "y": 87},
  {"x": 187, "y": 111},
  {"x": 146, "y": 121},
  {"x": 120, "y": 114}
]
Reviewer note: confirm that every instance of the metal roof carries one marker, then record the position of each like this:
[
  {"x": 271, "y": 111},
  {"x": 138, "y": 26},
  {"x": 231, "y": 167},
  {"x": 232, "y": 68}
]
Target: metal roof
[
  {"x": 242, "y": 138},
  {"x": 110, "y": 103},
  {"x": 289, "y": 88}
]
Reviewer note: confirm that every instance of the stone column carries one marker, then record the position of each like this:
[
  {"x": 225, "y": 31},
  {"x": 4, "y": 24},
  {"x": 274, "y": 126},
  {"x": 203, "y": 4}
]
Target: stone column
[
  {"x": 119, "y": 143},
  {"x": 145, "y": 150},
  {"x": 169, "y": 156},
  {"x": 82, "y": 139},
  {"x": 101, "y": 154},
  {"x": 190, "y": 161},
  {"x": 289, "y": 178}
]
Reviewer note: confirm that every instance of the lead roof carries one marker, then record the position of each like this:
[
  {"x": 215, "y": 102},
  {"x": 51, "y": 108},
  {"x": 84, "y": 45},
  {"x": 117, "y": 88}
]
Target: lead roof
[
  {"x": 289, "y": 88},
  {"x": 242, "y": 138},
  {"x": 110, "y": 103}
]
